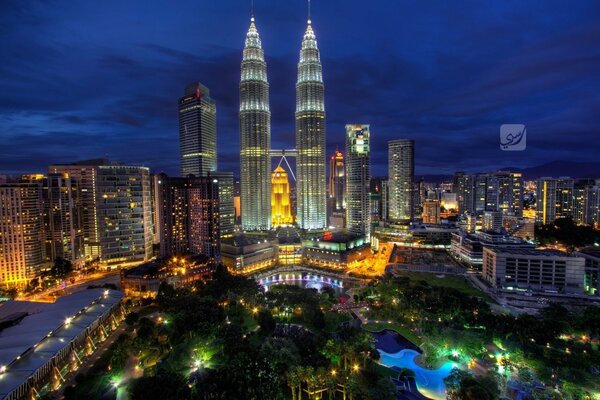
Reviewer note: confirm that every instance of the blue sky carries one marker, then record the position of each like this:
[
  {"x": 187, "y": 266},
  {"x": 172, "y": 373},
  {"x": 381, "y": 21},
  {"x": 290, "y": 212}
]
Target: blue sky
[{"x": 83, "y": 79}]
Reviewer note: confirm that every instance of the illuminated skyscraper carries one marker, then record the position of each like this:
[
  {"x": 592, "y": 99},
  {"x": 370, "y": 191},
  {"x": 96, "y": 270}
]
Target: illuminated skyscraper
[
  {"x": 358, "y": 178},
  {"x": 255, "y": 136},
  {"x": 20, "y": 233},
  {"x": 197, "y": 131},
  {"x": 337, "y": 182},
  {"x": 311, "y": 182},
  {"x": 281, "y": 210},
  {"x": 401, "y": 170}
]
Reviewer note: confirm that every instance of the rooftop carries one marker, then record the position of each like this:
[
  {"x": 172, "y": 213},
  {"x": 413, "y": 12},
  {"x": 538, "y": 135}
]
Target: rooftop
[
  {"x": 47, "y": 329},
  {"x": 530, "y": 252}
]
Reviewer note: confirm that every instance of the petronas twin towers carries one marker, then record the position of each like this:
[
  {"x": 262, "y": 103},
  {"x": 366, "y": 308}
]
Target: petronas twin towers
[{"x": 255, "y": 136}]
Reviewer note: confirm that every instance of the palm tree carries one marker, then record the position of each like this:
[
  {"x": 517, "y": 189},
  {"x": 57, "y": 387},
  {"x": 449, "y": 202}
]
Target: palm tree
[{"x": 293, "y": 380}]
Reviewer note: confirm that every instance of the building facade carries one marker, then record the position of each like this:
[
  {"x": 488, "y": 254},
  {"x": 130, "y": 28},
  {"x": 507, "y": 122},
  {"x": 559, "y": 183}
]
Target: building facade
[
  {"x": 533, "y": 270},
  {"x": 189, "y": 215},
  {"x": 21, "y": 224},
  {"x": 311, "y": 184},
  {"x": 358, "y": 179},
  {"x": 117, "y": 209},
  {"x": 401, "y": 171},
  {"x": 337, "y": 182},
  {"x": 281, "y": 208},
  {"x": 197, "y": 131},
  {"x": 255, "y": 136},
  {"x": 431, "y": 212},
  {"x": 63, "y": 224}
]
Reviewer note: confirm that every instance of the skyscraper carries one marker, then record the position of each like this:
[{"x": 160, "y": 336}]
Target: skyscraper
[
  {"x": 63, "y": 228},
  {"x": 310, "y": 137},
  {"x": 554, "y": 199},
  {"x": 197, "y": 131},
  {"x": 281, "y": 210},
  {"x": 337, "y": 182},
  {"x": 188, "y": 217},
  {"x": 401, "y": 171},
  {"x": 358, "y": 178},
  {"x": 255, "y": 136},
  {"x": 21, "y": 253},
  {"x": 117, "y": 209}
]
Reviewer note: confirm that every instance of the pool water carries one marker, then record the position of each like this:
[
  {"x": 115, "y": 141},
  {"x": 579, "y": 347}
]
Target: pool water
[{"x": 429, "y": 382}]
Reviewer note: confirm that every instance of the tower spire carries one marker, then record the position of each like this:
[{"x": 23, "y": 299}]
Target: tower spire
[
  {"x": 309, "y": 11},
  {"x": 252, "y": 10}
]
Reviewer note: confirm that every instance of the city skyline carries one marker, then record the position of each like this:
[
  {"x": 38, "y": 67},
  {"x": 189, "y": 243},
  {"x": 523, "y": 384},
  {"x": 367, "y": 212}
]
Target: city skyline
[{"x": 452, "y": 105}]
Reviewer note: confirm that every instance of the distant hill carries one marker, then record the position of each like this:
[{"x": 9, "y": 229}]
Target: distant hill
[
  {"x": 552, "y": 169},
  {"x": 561, "y": 168}
]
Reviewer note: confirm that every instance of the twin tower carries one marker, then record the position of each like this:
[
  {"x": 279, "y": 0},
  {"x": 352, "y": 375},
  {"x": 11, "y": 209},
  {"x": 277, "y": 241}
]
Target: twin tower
[{"x": 255, "y": 136}]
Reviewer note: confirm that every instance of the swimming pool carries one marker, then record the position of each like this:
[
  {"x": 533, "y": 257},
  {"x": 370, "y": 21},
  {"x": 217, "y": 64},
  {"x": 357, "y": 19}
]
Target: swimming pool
[{"x": 429, "y": 382}]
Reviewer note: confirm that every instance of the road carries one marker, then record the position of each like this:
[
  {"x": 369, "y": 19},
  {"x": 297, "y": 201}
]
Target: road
[{"x": 97, "y": 279}]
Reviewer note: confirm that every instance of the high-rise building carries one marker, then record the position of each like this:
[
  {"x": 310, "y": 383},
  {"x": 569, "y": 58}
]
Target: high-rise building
[
  {"x": 255, "y": 136},
  {"x": 554, "y": 199},
  {"x": 358, "y": 178},
  {"x": 281, "y": 211},
  {"x": 431, "y": 212},
  {"x": 401, "y": 176},
  {"x": 117, "y": 214},
  {"x": 63, "y": 226},
  {"x": 586, "y": 202},
  {"x": 226, "y": 203},
  {"x": 311, "y": 183},
  {"x": 337, "y": 182},
  {"x": 496, "y": 191},
  {"x": 197, "y": 131},
  {"x": 463, "y": 187},
  {"x": 189, "y": 215},
  {"x": 21, "y": 253}
]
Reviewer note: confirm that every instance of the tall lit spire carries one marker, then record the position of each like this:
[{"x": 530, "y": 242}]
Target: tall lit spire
[
  {"x": 255, "y": 135},
  {"x": 310, "y": 135}
]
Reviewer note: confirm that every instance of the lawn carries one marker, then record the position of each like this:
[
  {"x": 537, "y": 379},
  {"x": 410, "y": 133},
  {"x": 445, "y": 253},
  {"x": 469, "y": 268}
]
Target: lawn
[
  {"x": 451, "y": 281},
  {"x": 401, "y": 329}
]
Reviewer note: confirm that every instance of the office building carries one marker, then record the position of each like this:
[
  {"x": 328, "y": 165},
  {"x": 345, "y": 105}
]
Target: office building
[
  {"x": 533, "y": 270},
  {"x": 311, "y": 183},
  {"x": 467, "y": 248},
  {"x": 189, "y": 215},
  {"x": 197, "y": 131},
  {"x": 337, "y": 182},
  {"x": 21, "y": 234},
  {"x": 591, "y": 283},
  {"x": 255, "y": 136},
  {"x": 401, "y": 170},
  {"x": 281, "y": 208},
  {"x": 226, "y": 202},
  {"x": 358, "y": 179}
]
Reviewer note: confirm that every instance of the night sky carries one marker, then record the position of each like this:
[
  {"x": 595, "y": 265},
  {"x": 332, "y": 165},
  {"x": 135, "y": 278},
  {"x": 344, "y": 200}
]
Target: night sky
[{"x": 88, "y": 79}]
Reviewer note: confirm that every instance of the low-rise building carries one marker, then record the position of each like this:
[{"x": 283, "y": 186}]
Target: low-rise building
[
  {"x": 249, "y": 253},
  {"x": 592, "y": 270},
  {"x": 51, "y": 341},
  {"x": 335, "y": 250},
  {"x": 144, "y": 280},
  {"x": 468, "y": 247},
  {"x": 533, "y": 270}
]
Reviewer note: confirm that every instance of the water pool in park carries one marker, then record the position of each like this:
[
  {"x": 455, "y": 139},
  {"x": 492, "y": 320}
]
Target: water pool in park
[{"x": 429, "y": 382}]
